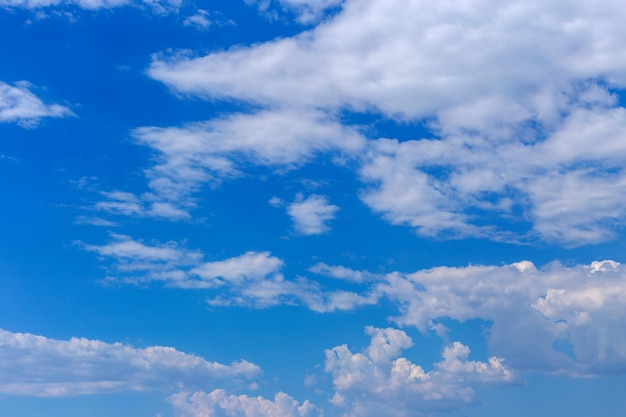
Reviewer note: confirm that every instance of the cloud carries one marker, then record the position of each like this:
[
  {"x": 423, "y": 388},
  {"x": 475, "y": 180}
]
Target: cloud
[
  {"x": 253, "y": 279},
  {"x": 530, "y": 312},
  {"x": 19, "y": 105},
  {"x": 201, "y": 20},
  {"x": 343, "y": 273},
  {"x": 516, "y": 95},
  {"x": 219, "y": 404},
  {"x": 190, "y": 157},
  {"x": 378, "y": 381},
  {"x": 157, "y": 6},
  {"x": 38, "y": 366},
  {"x": 566, "y": 189},
  {"x": 310, "y": 215},
  {"x": 307, "y": 11}
]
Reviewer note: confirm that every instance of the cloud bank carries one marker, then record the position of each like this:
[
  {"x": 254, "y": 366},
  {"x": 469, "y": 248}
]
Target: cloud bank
[{"x": 38, "y": 366}]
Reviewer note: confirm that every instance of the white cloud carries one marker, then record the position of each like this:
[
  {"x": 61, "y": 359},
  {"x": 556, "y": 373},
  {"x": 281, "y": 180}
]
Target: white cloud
[
  {"x": 219, "y": 404},
  {"x": 251, "y": 280},
  {"x": 343, "y": 273},
  {"x": 37, "y": 366},
  {"x": 307, "y": 11},
  {"x": 517, "y": 94},
  {"x": 379, "y": 382},
  {"x": 19, "y": 105},
  {"x": 189, "y": 157},
  {"x": 408, "y": 51},
  {"x": 201, "y": 20},
  {"x": 165, "y": 6},
  {"x": 311, "y": 215},
  {"x": 529, "y": 311},
  {"x": 251, "y": 266},
  {"x": 565, "y": 189}
]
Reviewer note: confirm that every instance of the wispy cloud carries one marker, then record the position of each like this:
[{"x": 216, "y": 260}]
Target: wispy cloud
[
  {"x": 19, "y": 105},
  {"x": 253, "y": 279},
  {"x": 157, "y": 6},
  {"x": 306, "y": 11},
  {"x": 191, "y": 157},
  {"x": 38, "y": 366}
]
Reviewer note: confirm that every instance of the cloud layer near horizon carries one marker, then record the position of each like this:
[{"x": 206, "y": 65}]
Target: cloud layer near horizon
[{"x": 35, "y": 365}]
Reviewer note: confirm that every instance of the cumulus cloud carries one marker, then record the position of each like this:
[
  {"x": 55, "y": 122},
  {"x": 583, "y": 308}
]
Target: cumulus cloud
[
  {"x": 19, "y": 105},
  {"x": 517, "y": 94},
  {"x": 310, "y": 215},
  {"x": 38, "y": 366},
  {"x": 529, "y": 311},
  {"x": 378, "y": 381},
  {"x": 219, "y": 404}
]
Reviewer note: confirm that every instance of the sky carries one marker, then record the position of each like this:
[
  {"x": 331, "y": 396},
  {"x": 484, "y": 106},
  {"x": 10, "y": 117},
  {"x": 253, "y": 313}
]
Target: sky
[{"x": 308, "y": 208}]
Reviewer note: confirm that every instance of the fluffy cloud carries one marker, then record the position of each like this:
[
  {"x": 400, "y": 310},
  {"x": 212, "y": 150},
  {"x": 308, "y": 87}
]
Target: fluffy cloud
[
  {"x": 554, "y": 319},
  {"x": 37, "y": 366},
  {"x": 517, "y": 95},
  {"x": 219, "y": 404},
  {"x": 19, "y": 105},
  {"x": 310, "y": 215},
  {"x": 530, "y": 311},
  {"x": 380, "y": 382},
  {"x": 566, "y": 189}
]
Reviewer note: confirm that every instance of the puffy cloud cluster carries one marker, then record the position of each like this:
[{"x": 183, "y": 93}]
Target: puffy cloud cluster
[
  {"x": 557, "y": 319},
  {"x": 19, "y": 105},
  {"x": 531, "y": 311},
  {"x": 38, "y": 366},
  {"x": 219, "y": 404},
  {"x": 379, "y": 381},
  {"x": 518, "y": 96}
]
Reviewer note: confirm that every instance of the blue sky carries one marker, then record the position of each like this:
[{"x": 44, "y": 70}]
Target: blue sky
[{"x": 301, "y": 208}]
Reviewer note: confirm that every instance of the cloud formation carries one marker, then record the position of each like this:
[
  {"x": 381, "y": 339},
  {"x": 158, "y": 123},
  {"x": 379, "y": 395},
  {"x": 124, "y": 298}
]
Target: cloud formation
[
  {"x": 219, "y": 404},
  {"x": 197, "y": 155},
  {"x": 37, "y": 366},
  {"x": 310, "y": 215},
  {"x": 378, "y": 381},
  {"x": 514, "y": 94},
  {"x": 19, "y": 105},
  {"x": 531, "y": 314},
  {"x": 253, "y": 279},
  {"x": 157, "y": 6}
]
